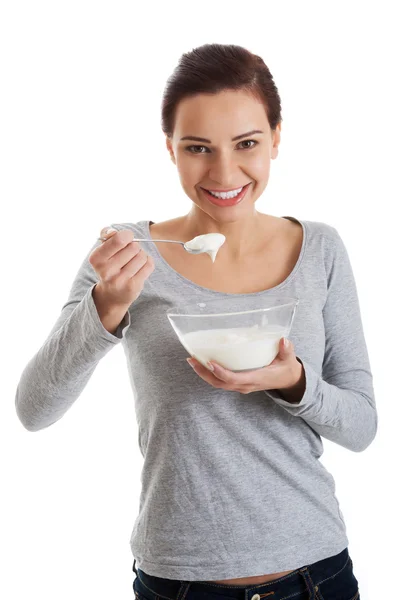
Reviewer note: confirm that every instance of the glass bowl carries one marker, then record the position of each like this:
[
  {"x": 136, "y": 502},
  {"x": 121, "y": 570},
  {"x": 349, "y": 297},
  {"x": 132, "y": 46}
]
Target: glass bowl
[{"x": 239, "y": 340}]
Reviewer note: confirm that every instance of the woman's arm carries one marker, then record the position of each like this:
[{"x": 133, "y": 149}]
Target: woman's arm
[
  {"x": 339, "y": 404},
  {"x": 57, "y": 374}
]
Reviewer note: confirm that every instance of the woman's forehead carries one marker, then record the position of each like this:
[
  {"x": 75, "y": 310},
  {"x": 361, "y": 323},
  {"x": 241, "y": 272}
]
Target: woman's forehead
[{"x": 235, "y": 111}]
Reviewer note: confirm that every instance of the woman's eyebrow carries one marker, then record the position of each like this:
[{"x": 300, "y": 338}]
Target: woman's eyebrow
[{"x": 238, "y": 137}]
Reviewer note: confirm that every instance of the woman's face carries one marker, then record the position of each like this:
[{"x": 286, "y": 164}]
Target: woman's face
[{"x": 218, "y": 162}]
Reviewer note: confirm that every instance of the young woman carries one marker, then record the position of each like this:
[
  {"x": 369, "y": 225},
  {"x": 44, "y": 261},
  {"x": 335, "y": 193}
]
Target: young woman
[{"x": 234, "y": 498}]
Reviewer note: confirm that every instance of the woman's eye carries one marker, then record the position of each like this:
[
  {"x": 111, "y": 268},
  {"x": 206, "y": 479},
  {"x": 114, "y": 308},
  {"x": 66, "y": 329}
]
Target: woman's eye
[
  {"x": 197, "y": 149},
  {"x": 249, "y": 142},
  {"x": 190, "y": 148}
]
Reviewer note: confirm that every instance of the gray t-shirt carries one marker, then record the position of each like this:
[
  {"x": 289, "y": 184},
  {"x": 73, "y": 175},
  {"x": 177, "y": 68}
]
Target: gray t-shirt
[{"x": 231, "y": 483}]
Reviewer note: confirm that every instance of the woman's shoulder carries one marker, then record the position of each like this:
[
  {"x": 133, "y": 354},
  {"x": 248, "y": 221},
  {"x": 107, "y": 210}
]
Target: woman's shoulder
[
  {"x": 319, "y": 228},
  {"x": 325, "y": 240},
  {"x": 136, "y": 227}
]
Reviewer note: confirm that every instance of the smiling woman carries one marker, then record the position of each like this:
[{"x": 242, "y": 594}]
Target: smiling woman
[{"x": 234, "y": 498}]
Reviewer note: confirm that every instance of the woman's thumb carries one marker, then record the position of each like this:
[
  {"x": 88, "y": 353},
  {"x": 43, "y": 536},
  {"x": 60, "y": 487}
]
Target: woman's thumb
[
  {"x": 285, "y": 346},
  {"x": 107, "y": 232}
]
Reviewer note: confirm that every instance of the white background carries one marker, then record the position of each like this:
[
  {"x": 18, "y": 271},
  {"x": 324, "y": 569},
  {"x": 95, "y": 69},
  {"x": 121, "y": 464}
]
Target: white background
[{"x": 81, "y": 147}]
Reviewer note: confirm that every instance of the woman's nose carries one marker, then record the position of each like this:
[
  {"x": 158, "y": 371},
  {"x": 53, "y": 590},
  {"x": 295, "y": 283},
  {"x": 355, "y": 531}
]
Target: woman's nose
[{"x": 223, "y": 171}]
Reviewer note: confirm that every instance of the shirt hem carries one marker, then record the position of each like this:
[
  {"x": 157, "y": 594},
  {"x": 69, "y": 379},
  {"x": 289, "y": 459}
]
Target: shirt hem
[{"x": 250, "y": 567}]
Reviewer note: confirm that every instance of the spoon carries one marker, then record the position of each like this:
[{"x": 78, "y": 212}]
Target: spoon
[{"x": 190, "y": 250}]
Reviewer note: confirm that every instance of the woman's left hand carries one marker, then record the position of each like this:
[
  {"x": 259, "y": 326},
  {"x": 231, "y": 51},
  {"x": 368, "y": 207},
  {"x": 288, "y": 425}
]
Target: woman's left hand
[{"x": 284, "y": 373}]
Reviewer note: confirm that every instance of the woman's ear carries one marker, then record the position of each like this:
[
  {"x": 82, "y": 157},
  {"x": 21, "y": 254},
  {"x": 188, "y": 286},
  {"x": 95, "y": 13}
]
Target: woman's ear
[
  {"x": 170, "y": 150},
  {"x": 276, "y": 139}
]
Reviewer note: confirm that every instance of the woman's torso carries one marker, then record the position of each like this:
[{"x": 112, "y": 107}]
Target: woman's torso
[{"x": 272, "y": 264}]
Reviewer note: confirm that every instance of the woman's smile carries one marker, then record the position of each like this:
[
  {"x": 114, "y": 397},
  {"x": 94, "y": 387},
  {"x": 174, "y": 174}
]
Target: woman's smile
[{"x": 230, "y": 200}]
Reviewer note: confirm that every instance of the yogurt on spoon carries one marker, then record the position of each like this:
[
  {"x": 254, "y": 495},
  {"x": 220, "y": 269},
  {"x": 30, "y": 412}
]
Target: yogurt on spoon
[{"x": 208, "y": 243}]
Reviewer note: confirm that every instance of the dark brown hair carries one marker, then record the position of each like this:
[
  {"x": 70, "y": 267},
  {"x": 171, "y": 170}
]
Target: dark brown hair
[{"x": 213, "y": 68}]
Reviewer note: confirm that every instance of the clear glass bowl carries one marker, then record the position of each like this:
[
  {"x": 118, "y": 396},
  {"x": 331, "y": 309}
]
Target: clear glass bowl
[{"x": 239, "y": 340}]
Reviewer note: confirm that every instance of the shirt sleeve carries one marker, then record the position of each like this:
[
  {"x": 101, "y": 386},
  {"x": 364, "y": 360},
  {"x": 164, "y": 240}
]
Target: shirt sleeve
[
  {"x": 57, "y": 374},
  {"x": 339, "y": 404}
]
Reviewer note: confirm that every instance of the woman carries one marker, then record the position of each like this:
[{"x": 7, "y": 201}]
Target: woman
[{"x": 233, "y": 497}]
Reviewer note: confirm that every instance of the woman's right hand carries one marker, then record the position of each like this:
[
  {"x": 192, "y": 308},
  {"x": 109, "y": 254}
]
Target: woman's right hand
[{"x": 122, "y": 267}]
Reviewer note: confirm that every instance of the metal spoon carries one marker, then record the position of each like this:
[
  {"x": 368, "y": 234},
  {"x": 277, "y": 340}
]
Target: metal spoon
[{"x": 169, "y": 241}]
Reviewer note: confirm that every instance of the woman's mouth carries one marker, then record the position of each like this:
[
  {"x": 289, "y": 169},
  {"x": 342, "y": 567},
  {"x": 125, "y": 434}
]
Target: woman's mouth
[{"x": 230, "y": 200}]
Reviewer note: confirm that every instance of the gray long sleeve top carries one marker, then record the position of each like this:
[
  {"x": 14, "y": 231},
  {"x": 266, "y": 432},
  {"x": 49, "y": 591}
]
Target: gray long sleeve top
[{"x": 232, "y": 485}]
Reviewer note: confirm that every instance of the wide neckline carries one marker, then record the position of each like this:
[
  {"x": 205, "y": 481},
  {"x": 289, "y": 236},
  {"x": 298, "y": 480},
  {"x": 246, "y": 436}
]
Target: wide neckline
[{"x": 192, "y": 284}]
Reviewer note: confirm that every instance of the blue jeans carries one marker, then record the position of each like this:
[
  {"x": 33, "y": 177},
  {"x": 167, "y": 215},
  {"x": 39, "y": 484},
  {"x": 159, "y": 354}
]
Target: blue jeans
[{"x": 328, "y": 579}]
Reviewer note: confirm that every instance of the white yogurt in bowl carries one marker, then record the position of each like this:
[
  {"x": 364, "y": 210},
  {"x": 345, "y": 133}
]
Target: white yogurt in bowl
[
  {"x": 236, "y": 349},
  {"x": 238, "y": 340}
]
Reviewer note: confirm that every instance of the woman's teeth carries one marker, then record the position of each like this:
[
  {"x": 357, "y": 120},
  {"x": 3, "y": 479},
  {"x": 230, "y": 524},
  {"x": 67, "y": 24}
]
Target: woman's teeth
[{"x": 226, "y": 195}]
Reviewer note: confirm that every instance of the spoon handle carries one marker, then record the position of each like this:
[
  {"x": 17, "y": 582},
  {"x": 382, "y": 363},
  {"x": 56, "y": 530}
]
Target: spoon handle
[{"x": 139, "y": 240}]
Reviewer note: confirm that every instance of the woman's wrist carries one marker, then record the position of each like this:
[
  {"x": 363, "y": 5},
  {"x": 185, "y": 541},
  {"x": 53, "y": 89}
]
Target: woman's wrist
[{"x": 295, "y": 392}]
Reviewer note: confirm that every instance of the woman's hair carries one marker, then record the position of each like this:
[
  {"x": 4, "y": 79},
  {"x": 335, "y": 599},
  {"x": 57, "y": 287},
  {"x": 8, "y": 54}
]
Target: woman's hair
[{"x": 213, "y": 68}]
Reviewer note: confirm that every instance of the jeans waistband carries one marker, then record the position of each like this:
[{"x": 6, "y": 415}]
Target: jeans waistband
[{"x": 304, "y": 579}]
